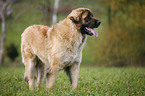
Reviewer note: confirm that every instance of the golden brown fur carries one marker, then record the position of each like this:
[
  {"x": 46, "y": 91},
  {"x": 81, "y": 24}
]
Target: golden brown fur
[{"x": 57, "y": 47}]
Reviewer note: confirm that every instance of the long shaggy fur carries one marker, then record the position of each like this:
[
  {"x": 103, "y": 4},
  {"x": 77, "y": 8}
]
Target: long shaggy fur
[{"x": 50, "y": 49}]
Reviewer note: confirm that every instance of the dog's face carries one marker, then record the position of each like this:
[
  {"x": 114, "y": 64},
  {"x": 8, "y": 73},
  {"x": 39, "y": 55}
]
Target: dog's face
[{"x": 84, "y": 20}]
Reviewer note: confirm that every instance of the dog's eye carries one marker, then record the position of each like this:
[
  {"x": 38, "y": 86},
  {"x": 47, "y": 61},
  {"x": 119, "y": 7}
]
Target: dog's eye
[{"x": 87, "y": 19}]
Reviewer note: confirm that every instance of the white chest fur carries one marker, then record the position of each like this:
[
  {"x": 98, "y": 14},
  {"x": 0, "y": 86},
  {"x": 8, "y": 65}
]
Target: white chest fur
[{"x": 73, "y": 55}]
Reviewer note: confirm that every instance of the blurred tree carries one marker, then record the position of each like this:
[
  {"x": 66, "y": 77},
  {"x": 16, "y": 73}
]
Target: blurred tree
[
  {"x": 5, "y": 11},
  {"x": 47, "y": 9},
  {"x": 54, "y": 19}
]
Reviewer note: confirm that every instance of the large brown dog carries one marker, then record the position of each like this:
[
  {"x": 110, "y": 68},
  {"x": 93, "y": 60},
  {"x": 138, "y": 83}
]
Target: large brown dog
[{"x": 50, "y": 49}]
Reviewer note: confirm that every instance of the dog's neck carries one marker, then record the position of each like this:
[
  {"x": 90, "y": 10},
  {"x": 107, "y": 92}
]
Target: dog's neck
[
  {"x": 66, "y": 26},
  {"x": 68, "y": 31}
]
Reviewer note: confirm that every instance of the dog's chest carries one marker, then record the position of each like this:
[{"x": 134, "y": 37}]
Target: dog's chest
[{"x": 73, "y": 54}]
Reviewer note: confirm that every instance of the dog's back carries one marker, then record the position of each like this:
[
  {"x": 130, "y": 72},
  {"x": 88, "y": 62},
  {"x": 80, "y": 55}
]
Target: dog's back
[{"x": 32, "y": 40}]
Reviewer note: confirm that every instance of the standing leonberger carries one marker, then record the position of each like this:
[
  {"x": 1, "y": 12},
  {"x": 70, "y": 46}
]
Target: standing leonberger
[{"x": 51, "y": 49}]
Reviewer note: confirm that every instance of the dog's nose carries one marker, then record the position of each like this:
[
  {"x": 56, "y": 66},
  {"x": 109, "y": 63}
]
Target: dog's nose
[{"x": 98, "y": 22}]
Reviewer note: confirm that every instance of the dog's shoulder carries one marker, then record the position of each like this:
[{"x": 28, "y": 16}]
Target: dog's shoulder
[
  {"x": 36, "y": 29},
  {"x": 42, "y": 29}
]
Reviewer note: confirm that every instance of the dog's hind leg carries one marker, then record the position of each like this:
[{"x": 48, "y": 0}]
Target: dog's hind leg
[
  {"x": 29, "y": 73},
  {"x": 29, "y": 62},
  {"x": 40, "y": 70}
]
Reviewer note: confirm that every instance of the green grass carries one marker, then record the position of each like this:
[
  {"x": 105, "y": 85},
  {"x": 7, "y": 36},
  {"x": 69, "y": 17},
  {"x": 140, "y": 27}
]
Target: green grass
[{"x": 92, "y": 82}]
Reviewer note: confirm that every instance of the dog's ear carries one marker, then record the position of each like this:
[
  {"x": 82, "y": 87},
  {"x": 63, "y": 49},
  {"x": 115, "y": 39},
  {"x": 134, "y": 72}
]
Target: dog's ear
[
  {"x": 84, "y": 14},
  {"x": 74, "y": 19}
]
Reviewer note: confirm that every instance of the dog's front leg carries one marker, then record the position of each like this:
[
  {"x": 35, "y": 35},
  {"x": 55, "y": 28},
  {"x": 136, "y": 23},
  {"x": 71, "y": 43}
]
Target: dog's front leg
[
  {"x": 51, "y": 77},
  {"x": 74, "y": 74}
]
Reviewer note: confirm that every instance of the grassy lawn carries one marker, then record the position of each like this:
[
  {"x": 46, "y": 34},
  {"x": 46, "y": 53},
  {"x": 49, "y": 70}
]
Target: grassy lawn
[{"x": 92, "y": 81}]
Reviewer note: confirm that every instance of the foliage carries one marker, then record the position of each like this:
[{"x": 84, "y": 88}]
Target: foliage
[
  {"x": 92, "y": 82},
  {"x": 123, "y": 42},
  {"x": 12, "y": 52}
]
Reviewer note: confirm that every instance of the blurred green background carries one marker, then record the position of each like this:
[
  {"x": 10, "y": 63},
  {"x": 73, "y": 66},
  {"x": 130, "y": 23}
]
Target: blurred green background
[{"x": 121, "y": 40}]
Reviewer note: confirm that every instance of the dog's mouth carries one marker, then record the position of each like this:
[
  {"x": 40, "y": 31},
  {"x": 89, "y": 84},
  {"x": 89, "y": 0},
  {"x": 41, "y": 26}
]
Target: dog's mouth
[{"x": 89, "y": 31}]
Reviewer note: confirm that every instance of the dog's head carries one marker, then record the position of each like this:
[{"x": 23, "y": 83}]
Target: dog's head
[{"x": 84, "y": 20}]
